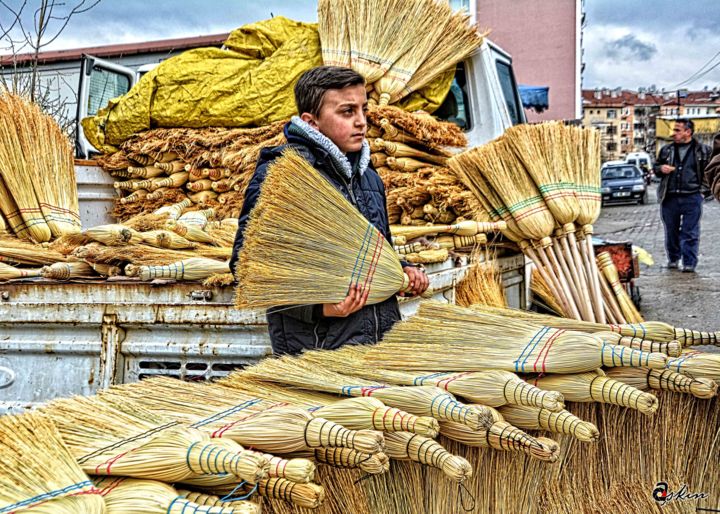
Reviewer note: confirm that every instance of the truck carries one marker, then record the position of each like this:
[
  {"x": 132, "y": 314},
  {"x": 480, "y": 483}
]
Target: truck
[{"x": 74, "y": 338}]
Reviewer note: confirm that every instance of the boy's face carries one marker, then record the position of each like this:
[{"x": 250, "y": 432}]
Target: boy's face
[{"x": 342, "y": 117}]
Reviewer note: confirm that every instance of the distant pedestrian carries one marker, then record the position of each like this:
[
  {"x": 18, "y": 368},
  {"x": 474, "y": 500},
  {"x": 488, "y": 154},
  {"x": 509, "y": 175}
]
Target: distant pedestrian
[
  {"x": 681, "y": 166},
  {"x": 712, "y": 172}
]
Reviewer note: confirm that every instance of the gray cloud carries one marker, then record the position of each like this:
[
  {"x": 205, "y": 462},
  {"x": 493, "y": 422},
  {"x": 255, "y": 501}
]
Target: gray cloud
[{"x": 629, "y": 46}]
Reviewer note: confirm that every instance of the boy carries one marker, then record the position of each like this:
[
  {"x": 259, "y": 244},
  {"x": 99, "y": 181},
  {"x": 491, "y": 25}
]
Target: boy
[{"x": 330, "y": 135}]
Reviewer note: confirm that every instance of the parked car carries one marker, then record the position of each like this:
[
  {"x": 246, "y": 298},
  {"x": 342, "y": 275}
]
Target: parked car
[{"x": 622, "y": 182}]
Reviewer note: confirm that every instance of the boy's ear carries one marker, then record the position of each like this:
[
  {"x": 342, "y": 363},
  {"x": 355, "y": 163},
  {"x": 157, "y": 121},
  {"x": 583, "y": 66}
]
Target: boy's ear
[{"x": 309, "y": 119}]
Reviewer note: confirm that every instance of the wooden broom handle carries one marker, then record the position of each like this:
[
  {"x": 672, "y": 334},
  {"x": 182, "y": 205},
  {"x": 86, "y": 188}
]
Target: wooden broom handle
[
  {"x": 553, "y": 266},
  {"x": 571, "y": 279}
]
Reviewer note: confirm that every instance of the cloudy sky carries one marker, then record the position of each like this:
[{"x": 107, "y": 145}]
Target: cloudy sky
[{"x": 628, "y": 43}]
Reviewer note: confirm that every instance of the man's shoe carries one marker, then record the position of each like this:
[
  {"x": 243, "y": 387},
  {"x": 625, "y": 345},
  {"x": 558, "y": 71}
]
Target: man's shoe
[
  {"x": 672, "y": 265},
  {"x": 688, "y": 269}
]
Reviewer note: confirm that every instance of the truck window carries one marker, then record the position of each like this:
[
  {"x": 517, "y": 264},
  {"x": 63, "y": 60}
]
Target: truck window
[
  {"x": 509, "y": 89},
  {"x": 455, "y": 106},
  {"x": 104, "y": 85}
]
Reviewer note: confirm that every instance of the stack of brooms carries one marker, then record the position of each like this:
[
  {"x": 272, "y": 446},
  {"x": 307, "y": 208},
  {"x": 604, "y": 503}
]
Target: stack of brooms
[{"x": 543, "y": 180}]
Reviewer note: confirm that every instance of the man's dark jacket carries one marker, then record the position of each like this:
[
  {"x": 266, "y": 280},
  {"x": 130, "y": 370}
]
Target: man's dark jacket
[
  {"x": 295, "y": 329},
  {"x": 667, "y": 155},
  {"x": 712, "y": 172}
]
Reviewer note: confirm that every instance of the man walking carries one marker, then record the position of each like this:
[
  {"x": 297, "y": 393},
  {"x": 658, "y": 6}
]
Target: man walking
[{"x": 681, "y": 166}]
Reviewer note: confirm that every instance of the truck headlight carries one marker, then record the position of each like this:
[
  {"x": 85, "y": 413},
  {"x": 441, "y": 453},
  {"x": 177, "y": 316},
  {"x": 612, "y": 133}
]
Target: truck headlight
[
  {"x": 638, "y": 187},
  {"x": 605, "y": 190}
]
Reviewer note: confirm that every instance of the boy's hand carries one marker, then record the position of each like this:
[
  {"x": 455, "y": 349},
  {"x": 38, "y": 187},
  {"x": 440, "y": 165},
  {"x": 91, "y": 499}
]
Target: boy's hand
[
  {"x": 353, "y": 302},
  {"x": 419, "y": 281}
]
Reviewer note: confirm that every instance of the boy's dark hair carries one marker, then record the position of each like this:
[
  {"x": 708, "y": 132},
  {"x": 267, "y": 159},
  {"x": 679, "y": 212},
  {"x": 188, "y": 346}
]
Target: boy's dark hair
[
  {"x": 688, "y": 124},
  {"x": 311, "y": 88}
]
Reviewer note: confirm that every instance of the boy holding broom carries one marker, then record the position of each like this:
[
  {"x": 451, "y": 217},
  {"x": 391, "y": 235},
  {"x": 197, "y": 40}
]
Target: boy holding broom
[{"x": 330, "y": 134}]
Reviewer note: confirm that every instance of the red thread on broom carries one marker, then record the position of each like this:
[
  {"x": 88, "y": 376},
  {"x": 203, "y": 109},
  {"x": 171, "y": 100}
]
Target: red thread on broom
[{"x": 546, "y": 348}]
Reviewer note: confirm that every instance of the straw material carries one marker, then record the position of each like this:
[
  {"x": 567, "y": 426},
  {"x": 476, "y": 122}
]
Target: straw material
[
  {"x": 209, "y": 500},
  {"x": 113, "y": 235},
  {"x": 362, "y": 413},
  {"x": 667, "y": 380},
  {"x": 697, "y": 364},
  {"x": 375, "y": 464},
  {"x": 37, "y": 472},
  {"x": 421, "y": 401},
  {"x": 68, "y": 271},
  {"x": 562, "y": 422},
  {"x": 491, "y": 388},
  {"x": 167, "y": 239},
  {"x": 407, "y": 446},
  {"x": 111, "y": 437},
  {"x": 333, "y": 31},
  {"x": 481, "y": 284},
  {"x": 588, "y": 178},
  {"x": 196, "y": 268},
  {"x": 464, "y": 228},
  {"x": 224, "y": 412},
  {"x": 309, "y": 496},
  {"x": 451, "y": 338},
  {"x": 504, "y": 437},
  {"x": 627, "y": 306},
  {"x": 295, "y": 255},
  {"x": 42, "y": 182},
  {"x": 144, "y": 255},
  {"x": 542, "y": 294},
  {"x": 132, "y": 496},
  {"x": 12, "y": 213},
  {"x": 300, "y": 470},
  {"x": 8, "y": 272},
  {"x": 398, "y": 125},
  {"x": 596, "y": 387},
  {"x": 191, "y": 232}
]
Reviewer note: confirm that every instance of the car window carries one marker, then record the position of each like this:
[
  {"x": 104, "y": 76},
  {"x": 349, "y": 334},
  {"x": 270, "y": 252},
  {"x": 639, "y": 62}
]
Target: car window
[{"x": 616, "y": 172}]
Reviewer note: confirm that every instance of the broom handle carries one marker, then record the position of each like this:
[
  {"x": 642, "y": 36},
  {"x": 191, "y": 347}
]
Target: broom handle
[
  {"x": 554, "y": 267},
  {"x": 577, "y": 248},
  {"x": 572, "y": 278},
  {"x": 549, "y": 281},
  {"x": 593, "y": 270},
  {"x": 612, "y": 302},
  {"x": 578, "y": 265},
  {"x": 564, "y": 273}
]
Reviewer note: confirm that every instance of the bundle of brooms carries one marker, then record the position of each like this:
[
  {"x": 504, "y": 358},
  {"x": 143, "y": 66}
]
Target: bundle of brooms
[
  {"x": 131, "y": 496},
  {"x": 449, "y": 338},
  {"x": 534, "y": 178},
  {"x": 37, "y": 472},
  {"x": 421, "y": 400},
  {"x": 665, "y": 380},
  {"x": 223, "y": 412},
  {"x": 109, "y": 437},
  {"x": 492, "y": 388},
  {"x": 39, "y": 194}
]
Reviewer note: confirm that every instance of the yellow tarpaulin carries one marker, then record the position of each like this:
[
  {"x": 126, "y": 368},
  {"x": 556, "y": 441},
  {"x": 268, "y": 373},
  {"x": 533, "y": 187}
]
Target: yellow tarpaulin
[
  {"x": 248, "y": 84},
  {"x": 664, "y": 127}
]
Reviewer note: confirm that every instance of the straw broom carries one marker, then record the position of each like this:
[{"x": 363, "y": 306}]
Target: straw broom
[
  {"x": 224, "y": 412},
  {"x": 197, "y": 218},
  {"x": 333, "y": 31},
  {"x": 424, "y": 26},
  {"x": 309, "y": 496},
  {"x": 481, "y": 284},
  {"x": 450, "y": 338},
  {"x": 191, "y": 232},
  {"x": 166, "y": 239},
  {"x": 379, "y": 33},
  {"x": 113, "y": 438},
  {"x": 210, "y": 500},
  {"x": 37, "y": 472},
  {"x": 17, "y": 171},
  {"x": 597, "y": 387},
  {"x": 16, "y": 251},
  {"x": 503, "y": 436},
  {"x": 491, "y": 388},
  {"x": 8, "y": 272},
  {"x": 333, "y": 244},
  {"x": 463, "y": 228},
  {"x": 51, "y": 171},
  {"x": 542, "y": 294},
  {"x": 697, "y": 364},
  {"x": 68, "y": 270},
  {"x": 407, "y": 446},
  {"x": 174, "y": 211},
  {"x": 132, "y": 496},
  {"x": 652, "y": 332},
  {"x": 196, "y": 268},
  {"x": 562, "y": 422},
  {"x": 667, "y": 380},
  {"x": 397, "y": 149},
  {"x": 12, "y": 213},
  {"x": 137, "y": 254},
  {"x": 421, "y": 401},
  {"x": 362, "y": 413},
  {"x": 608, "y": 268},
  {"x": 374, "y": 464},
  {"x": 113, "y": 235},
  {"x": 146, "y": 172}
]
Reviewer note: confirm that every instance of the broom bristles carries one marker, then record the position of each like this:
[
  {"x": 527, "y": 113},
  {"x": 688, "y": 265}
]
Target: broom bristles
[
  {"x": 697, "y": 364},
  {"x": 562, "y": 422},
  {"x": 667, "y": 380},
  {"x": 295, "y": 255},
  {"x": 38, "y": 473}
]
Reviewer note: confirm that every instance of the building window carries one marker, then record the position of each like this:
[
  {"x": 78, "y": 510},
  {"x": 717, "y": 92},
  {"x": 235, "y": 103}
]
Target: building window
[
  {"x": 612, "y": 130},
  {"x": 460, "y": 4},
  {"x": 611, "y": 114},
  {"x": 611, "y": 147}
]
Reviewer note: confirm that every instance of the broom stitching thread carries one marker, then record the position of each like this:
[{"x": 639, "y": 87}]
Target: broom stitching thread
[
  {"x": 122, "y": 442},
  {"x": 538, "y": 336},
  {"x": 44, "y": 497}
]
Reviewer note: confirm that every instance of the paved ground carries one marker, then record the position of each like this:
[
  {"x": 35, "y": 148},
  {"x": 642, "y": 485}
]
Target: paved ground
[{"x": 681, "y": 299}]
